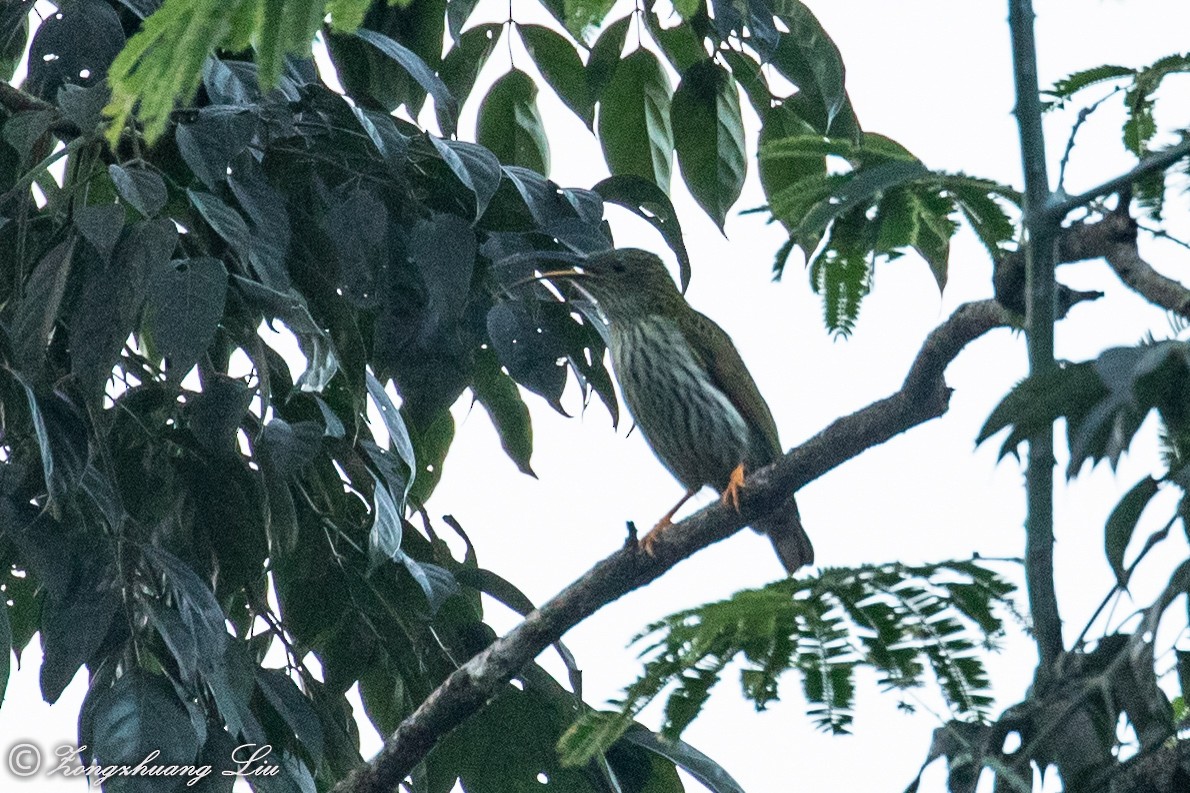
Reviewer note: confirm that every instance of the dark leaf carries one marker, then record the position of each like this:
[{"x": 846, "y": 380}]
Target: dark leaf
[
  {"x": 101, "y": 226},
  {"x": 38, "y": 310},
  {"x": 72, "y": 630},
  {"x": 110, "y": 303},
  {"x": 648, "y": 201},
  {"x": 529, "y": 349},
  {"x": 225, "y": 221},
  {"x": 83, "y": 107},
  {"x": 476, "y": 167},
  {"x": 561, "y": 67},
  {"x": 510, "y": 126},
  {"x": 75, "y": 45},
  {"x": 498, "y": 394},
  {"x": 443, "y": 251},
  {"x": 138, "y": 716},
  {"x": 142, "y": 188},
  {"x": 294, "y": 707},
  {"x": 183, "y": 306},
  {"x": 444, "y": 103},
  {"x": 211, "y": 138},
  {"x": 1122, "y": 523}
]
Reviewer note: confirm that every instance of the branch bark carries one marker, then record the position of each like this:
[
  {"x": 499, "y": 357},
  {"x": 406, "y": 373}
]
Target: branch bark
[
  {"x": 923, "y": 396},
  {"x": 1040, "y": 314},
  {"x": 1157, "y": 161}
]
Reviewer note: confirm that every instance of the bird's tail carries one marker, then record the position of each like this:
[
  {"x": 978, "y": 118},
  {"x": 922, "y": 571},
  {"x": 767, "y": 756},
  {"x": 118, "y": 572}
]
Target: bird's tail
[{"x": 784, "y": 528}]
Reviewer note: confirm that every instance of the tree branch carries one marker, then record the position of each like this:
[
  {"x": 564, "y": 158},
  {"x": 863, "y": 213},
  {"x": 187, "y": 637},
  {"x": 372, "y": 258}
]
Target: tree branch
[
  {"x": 923, "y": 396},
  {"x": 1157, "y": 161},
  {"x": 1040, "y": 314},
  {"x": 1123, "y": 255}
]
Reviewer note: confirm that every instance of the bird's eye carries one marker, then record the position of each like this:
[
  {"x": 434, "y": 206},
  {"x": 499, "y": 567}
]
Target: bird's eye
[{"x": 618, "y": 267}]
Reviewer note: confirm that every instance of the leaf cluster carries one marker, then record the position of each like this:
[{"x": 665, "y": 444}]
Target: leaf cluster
[
  {"x": 903, "y": 622},
  {"x": 211, "y": 525}
]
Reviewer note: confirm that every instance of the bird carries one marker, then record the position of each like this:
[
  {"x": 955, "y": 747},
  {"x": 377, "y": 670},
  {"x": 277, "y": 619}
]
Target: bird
[{"x": 687, "y": 390}]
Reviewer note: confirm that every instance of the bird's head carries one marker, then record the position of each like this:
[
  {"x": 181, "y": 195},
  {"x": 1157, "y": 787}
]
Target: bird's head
[{"x": 626, "y": 283}]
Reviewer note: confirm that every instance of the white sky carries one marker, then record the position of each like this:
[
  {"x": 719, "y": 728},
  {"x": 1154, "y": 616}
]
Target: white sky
[{"x": 935, "y": 76}]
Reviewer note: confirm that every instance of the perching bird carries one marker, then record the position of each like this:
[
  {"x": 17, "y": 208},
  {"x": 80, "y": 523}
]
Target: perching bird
[{"x": 687, "y": 389}]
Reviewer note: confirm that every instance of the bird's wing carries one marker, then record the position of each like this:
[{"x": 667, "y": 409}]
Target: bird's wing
[{"x": 731, "y": 376}]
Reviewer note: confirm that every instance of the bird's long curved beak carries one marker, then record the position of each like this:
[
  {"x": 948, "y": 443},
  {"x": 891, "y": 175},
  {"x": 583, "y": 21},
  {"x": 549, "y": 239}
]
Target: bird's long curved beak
[{"x": 550, "y": 274}]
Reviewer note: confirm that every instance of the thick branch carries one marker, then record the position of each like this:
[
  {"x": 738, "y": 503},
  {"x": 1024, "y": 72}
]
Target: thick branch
[
  {"x": 922, "y": 397},
  {"x": 1124, "y": 257}
]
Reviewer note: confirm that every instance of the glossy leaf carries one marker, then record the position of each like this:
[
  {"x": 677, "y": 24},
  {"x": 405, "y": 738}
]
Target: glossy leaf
[
  {"x": 498, "y": 394},
  {"x": 408, "y": 60},
  {"x": 141, "y": 715},
  {"x": 476, "y": 167},
  {"x": 561, "y": 67},
  {"x": 634, "y": 120},
  {"x": 648, "y": 201},
  {"x": 708, "y": 134},
  {"x": 510, "y": 126}
]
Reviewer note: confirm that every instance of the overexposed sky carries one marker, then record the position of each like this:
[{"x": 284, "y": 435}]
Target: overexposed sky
[{"x": 936, "y": 76}]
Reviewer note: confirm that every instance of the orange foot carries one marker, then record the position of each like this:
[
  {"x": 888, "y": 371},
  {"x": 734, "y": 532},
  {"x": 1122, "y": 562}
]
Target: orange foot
[
  {"x": 650, "y": 539},
  {"x": 735, "y": 483}
]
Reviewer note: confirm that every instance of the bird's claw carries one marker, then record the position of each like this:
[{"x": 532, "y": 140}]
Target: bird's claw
[
  {"x": 731, "y": 493},
  {"x": 647, "y": 542}
]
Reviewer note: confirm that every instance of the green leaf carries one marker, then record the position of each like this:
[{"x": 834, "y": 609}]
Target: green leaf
[
  {"x": 143, "y": 189},
  {"x": 463, "y": 63},
  {"x": 431, "y": 442},
  {"x": 295, "y": 708},
  {"x": 510, "y": 126},
  {"x": 445, "y": 104},
  {"x": 475, "y": 166},
  {"x": 687, "y": 9},
  {"x": 284, "y": 27},
  {"x": 808, "y": 57},
  {"x": 648, "y": 201},
  {"x": 183, "y": 306},
  {"x": 860, "y": 187},
  {"x": 1067, "y": 87},
  {"x": 749, "y": 75},
  {"x": 634, "y": 120},
  {"x": 141, "y": 715},
  {"x": 1121, "y": 524},
  {"x": 708, "y": 134},
  {"x": 6, "y": 649},
  {"x": 592, "y": 734},
  {"x": 709, "y": 773},
  {"x": 498, "y": 394},
  {"x": 347, "y": 15},
  {"x": 582, "y": 15},
  {"x": 605, "y": 56},
  {"x": 561, "y": 67}
]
